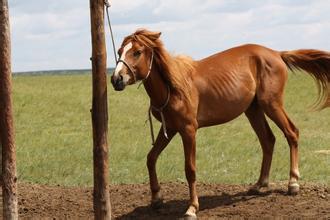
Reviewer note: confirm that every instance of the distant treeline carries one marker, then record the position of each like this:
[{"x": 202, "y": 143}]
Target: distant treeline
[{"x": 60, "y": 72}]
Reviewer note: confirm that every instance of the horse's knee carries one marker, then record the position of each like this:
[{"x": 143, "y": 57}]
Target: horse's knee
[{"x": 151, "y": 160}]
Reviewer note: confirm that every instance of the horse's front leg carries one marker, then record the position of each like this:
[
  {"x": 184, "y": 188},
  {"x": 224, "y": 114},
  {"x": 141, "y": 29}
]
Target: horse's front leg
[
  {"x": 160, "y": 144},
  {"x": 189, "y": 143}
]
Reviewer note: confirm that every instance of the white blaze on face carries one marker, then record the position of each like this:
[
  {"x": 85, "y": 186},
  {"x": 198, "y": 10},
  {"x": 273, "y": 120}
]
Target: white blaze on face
[{"x": 120, "y": 64}]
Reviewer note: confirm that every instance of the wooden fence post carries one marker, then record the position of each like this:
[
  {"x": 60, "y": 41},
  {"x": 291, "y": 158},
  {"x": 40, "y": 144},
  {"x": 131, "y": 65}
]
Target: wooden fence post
[
  {"x": 9, "y": 179},
  {"x": 101, "y": 196}
]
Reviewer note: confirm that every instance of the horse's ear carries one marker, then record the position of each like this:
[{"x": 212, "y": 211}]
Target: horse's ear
[{"x": 155, "y": 35}]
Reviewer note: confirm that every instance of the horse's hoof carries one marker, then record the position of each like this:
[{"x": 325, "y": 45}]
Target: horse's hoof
[
  {"x": 293, "y": 188},
  {"x": 190, "y": 217},
  {"x": 254, "y": 191},
  {"x": 157, "y": 204},
  {"x": 190, "y": 213}
]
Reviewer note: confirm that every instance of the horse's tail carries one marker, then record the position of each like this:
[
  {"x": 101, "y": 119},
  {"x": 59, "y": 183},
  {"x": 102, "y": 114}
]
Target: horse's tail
[{"x": 317, "y": 64}]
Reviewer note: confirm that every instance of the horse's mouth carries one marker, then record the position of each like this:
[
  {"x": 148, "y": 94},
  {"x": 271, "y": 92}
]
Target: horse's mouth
[{"x": 119, "y": 87}]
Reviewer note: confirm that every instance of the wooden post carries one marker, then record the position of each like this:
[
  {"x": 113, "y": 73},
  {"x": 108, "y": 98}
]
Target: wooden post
[
  {"x": 9, "y": 179},
  {"x": 101, "y": 197}
]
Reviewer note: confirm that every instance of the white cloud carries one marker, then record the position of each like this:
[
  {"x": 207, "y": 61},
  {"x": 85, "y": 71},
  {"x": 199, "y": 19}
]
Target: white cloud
[
  {"x": 127, "y": 5},
  {"x": 55, "y": 34},
  {"x": 48, "y": 38}
]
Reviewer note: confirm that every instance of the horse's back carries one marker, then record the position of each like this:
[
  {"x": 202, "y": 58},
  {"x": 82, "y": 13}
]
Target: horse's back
[{"x": 243, "y": 51}]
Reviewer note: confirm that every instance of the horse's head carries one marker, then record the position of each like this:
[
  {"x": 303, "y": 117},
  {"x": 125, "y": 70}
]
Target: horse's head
[{"x": 136, "y": 58}]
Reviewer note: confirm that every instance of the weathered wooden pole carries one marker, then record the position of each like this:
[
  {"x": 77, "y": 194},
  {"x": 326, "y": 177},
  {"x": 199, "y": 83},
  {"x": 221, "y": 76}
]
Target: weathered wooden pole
[
  {"x": 9, "y": 179},
  {"x": 101, "y": 197}
]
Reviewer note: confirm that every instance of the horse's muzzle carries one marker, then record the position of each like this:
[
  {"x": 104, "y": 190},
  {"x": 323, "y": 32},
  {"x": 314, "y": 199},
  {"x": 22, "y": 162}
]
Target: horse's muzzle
[{"x": 118, "y": 83}]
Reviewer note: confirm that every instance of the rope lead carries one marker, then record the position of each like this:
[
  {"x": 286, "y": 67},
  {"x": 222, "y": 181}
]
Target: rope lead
[
  {"x": 107, "y": 4},
  {"x": 160, "y": 110}
]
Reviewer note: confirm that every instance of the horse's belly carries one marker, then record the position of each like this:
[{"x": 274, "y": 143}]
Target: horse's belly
[
  {"x": 213, "y": 110},
  {"x": 219, "y": 113}
]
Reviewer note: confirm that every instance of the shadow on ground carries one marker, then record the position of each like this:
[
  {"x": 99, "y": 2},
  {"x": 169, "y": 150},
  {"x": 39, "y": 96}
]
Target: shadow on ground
[{"x": 174, "y": 209}]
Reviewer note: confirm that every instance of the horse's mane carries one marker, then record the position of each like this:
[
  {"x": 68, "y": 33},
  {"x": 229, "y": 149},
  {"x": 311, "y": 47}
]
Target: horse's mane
[{"x": 175, "y": 70}]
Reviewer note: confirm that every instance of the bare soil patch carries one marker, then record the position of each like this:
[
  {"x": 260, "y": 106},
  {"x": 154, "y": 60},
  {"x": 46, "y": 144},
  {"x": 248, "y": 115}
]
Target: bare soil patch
[{"x": 217, "y": 201}]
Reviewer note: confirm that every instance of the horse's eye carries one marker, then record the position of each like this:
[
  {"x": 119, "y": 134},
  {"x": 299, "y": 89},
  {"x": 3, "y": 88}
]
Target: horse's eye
[{"x": 137, "y": 53}]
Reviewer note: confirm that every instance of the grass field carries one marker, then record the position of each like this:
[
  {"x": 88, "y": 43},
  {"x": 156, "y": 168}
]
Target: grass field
[{"x": 54, "y": 140}]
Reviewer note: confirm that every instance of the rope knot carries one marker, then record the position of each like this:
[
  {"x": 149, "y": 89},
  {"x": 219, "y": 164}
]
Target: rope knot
[{"x": 107, "y": 3}]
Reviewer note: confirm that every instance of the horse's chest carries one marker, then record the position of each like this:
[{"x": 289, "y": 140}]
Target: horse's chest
[{"x": 172, "y": 119}]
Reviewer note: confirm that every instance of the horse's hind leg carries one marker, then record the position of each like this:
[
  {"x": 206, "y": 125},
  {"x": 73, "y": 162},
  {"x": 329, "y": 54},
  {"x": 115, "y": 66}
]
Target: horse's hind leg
[
  {"x": 266, "y": 138},
  {"x": 276, "y": 112},
  {"x": 160, "y": 144},
  {"x": 272, "y": 79}
]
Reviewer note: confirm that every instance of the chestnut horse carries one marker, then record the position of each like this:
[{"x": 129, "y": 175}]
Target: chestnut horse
[{"x": 186, "y": 95}]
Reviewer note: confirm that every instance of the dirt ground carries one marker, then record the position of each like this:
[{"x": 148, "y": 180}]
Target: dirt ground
[{"x": 216, "y": 202}]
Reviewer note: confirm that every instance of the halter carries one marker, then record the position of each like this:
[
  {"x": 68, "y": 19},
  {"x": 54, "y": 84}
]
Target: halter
[{"x": 133, "y": 72}]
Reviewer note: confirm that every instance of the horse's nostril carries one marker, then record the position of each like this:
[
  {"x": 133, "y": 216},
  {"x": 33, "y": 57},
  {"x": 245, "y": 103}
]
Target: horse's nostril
[
  {"x": 116, "y": 80},
  {"x": 119, "y": 80}
]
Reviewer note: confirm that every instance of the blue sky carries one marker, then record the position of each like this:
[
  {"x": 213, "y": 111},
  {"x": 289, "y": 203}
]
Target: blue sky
[{"x": 55, "y": 34}]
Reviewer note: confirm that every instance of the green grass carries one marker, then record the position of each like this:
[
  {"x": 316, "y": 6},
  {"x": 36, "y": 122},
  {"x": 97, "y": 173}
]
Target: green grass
[{"x": 54, "y": 140}]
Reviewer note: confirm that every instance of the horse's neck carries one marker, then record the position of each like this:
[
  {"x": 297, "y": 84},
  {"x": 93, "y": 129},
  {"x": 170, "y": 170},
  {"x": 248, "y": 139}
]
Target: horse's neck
[{"x": 156, "y": 89}]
